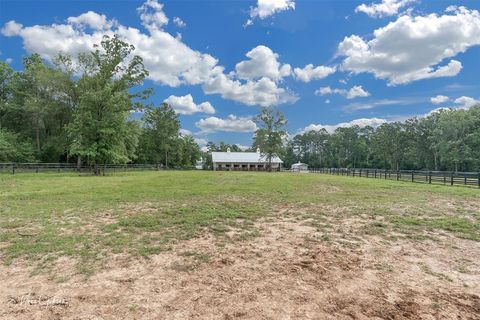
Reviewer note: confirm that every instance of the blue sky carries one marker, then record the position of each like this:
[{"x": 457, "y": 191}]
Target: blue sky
[{"x": 322, "y": 63}]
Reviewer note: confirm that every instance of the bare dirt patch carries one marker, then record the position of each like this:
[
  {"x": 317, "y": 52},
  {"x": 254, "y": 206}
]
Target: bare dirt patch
[{"x": 289, "y": 271}]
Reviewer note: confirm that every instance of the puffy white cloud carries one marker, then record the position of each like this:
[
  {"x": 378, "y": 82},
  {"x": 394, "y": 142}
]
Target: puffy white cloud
[
  {"x": 373, "y": 122},
  {"x": 309, "y": 72},
  {"x": 231, "y": 124},
  {"x": 185, "y": 105},
  {"x": 9, "y": 60},
  {"x": 439, "y": 99},
  {"x": 466, "y": 102},
  {"x": 179, "y": 22},
  {"x": 267, "y": 8},
  {"x": 185, "y": 132},
  {"x": 152, "y": 15},
  {"x": 354, "y": 92},
  {"x": 462, "y": 102},
  {"x": 413, "y": 48},
  {"x": 384, "y": 8},
  {"x": 11, "y": 28},
  {"x": 93, "y": 20},
  {"x": 169, "y": 60},
  {"x": 263, "y": 63},
  {"x": 264, "y": 92},
  {"x": 357, "y": 91}
]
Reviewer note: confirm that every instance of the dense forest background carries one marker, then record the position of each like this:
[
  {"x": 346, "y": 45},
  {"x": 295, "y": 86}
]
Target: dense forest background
[
  {"x": 445, "y": 139},
  {"x": 79, "y": 109}
]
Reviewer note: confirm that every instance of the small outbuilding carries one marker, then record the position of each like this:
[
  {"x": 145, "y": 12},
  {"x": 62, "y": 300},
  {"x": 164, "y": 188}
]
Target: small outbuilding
[
  {"x": 243, "y": 161},
  {"x": 299, "y": 167}
]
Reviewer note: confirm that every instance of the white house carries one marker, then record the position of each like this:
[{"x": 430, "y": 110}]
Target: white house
[
  {"x": 243, "y": 161},
  {"x": 299, "y": 167}
]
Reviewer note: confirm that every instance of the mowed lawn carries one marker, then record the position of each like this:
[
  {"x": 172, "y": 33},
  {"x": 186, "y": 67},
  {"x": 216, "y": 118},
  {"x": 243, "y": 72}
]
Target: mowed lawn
[{"x": 46, "y": 216}]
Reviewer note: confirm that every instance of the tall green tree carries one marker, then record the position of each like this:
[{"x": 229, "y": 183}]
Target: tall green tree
[
  {"x": 271, "y": 134},
  {"x": 99, "y": 131},
  {"x": 161, "y": 130}
]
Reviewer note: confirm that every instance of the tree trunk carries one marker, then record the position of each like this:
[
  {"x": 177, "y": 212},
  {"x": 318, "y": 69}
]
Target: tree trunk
[
  {"x": 79, "y": 163},
  {"x": 37, "y": 135},
  {"x": 96, "y": 169}
]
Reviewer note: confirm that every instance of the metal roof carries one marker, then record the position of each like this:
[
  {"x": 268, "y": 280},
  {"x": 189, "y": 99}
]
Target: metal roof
[
  {"x": 242, "y": 157},
  {"x": 299, "y": 164}
]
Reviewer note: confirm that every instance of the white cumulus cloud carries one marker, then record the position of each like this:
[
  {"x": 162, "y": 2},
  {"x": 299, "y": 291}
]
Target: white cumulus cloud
[
  {"x": 439, "y": 99},
  {"x": 93, "y": 20},
  {"x": 230, "y": 124},
  {"x": 167, "y": 58},
  {"x": 413, "y": 48},
  {"x": 384, "y": 8},
  {"x": 185, "y": 105},
  {"x": 465, "y": 102},
  {"x": 263, "y": 63},
  {"x": 267, "y": 8},
  {"x": 264, "y": 92},
  {"x": 352, "y": 93},
  {"x": 152, "y": 15},
  {"x": 179, "y": 22},
  {"x": 12, "y": 28},
  {"x": 309, "y": 72},
  {"x": 364, "y": 122}
]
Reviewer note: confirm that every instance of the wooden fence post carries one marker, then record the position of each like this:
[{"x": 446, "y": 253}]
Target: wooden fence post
[
  {"x": 451, "y": 178},
  {"x": 13, "y": 168},
  {"x": 478, "y": 179},
  {"x": 429, "y": 177},
  {"x": 413, "y": 175}
]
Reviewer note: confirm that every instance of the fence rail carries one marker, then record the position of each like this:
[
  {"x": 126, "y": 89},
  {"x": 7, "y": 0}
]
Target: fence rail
[
  {"x": 14, "y": 167},
  {"x": 471, "y": 179},
  {"x": 431, "y": 177}
]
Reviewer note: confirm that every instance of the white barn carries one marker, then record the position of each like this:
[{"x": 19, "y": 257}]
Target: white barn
[
  {"x": 299, "y": 167},
  {"x": 243, "y": 161}
]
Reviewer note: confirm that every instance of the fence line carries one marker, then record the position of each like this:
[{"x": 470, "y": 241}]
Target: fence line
[
  {"x": 14, "y": 167},
  {"x": 429, "y": 177}
]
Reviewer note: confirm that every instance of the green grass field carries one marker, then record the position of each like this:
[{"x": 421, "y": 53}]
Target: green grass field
[{"x": 45, "y": 216}]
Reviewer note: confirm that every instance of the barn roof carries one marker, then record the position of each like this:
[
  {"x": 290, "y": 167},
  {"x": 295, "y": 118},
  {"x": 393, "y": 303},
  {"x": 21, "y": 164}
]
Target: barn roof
[
  {"x": 299, "y": 164},
  {"x": 242, "y": 157}
]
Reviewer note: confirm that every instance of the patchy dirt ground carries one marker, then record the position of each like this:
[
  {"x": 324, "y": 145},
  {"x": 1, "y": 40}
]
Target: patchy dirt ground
[{"x": 291, "y": 270}]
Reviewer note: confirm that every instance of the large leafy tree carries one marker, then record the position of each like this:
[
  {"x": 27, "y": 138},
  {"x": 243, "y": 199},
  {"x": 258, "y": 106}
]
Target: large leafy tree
[
  {"x": 99, "y": 131},
  {"x": 271, "y": 134},
  {"x": 36, "y": 107},
  {"x": 161, "y": 130}
]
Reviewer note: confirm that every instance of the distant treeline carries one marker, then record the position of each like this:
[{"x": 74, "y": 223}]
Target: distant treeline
[
  {"x": 80, "y": 110},
  {"x": 443, "y": 140}
]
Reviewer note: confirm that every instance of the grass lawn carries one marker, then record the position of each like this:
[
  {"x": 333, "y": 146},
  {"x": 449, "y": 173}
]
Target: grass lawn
[
  {"x": 46, "y": 216},
  {"x": 226, "y": 245}
]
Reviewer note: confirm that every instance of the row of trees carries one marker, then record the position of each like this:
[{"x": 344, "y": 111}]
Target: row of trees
[
  {"x": 444, "y": 140},
  {"x": 80, "y": 110}
]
